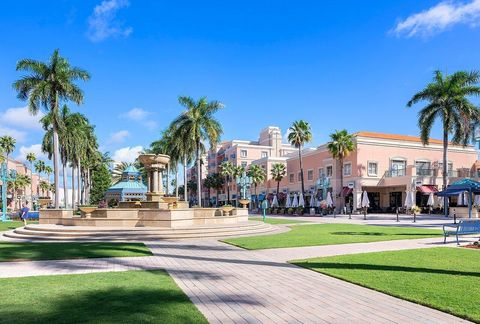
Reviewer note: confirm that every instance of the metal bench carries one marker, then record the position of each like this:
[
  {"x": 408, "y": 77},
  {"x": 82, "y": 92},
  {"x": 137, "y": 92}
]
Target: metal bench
[{"x": 464, "y": 227}]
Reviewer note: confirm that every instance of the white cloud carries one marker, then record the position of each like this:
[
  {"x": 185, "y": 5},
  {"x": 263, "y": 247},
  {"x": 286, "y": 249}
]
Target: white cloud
[
  {"x": 102, "y": 23},
  {"x": 35, "y": 148},
  {"x": 127, "y": 154},
  {"x": 439, "y": 18},
  {"x": 118, "y": 137},
  {"x": 140, "y": 115},
  {"x": 19, "y": 136},
  {"x": 21, "y": 117}
]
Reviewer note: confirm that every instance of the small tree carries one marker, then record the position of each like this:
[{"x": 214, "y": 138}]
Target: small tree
[
  {"x": 101, "y": 181},
  {"x": 278, "y": 172},
  {"x": 299, "y": 134},
  {"x": 257, "y": 174},
  {"x": 227, "y": 170}
]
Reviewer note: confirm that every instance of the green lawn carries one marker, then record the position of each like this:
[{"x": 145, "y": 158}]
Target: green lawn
[
  {"x": 10, "y": 251},
  {"x": 110, "y": 297},
  {"x": 443, "y": 278},
  {"x": 273, "y": 220},
  {"x": 6, "y": 226},
  {"x": 325, "y": 234}
]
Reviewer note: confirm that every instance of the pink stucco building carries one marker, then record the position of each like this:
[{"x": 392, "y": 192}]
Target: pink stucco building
[{"x": 385, "y": 165}]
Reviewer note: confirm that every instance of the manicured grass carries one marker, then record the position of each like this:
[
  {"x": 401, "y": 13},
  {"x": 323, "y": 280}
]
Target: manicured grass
[
  {"x": 272, "y": 220},
  {"x": 325, "y": 234},
  {"x": 6, "y": 226},
  {"x": 10, "y": 251},
  {"x": 110, "y": 297},
  {"x": 443, "y": 278}
]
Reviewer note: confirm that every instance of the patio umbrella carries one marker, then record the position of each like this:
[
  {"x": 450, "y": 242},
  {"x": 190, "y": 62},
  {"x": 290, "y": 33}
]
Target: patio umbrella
[
  {"x": 460, "y": 199},
  {"x": 295, "y": 201},
  {"x": 365, "y": 200},
  {"x": 441, "y": 202},
  {"x": 312, "y": 201},
  {"x": 301, "y": 200},
  {"x": 329, "y": 199},
  {"x": 288, "y": 202},
  {"x": 431, "y": 201},
  {"x": 275, "y": 201},
  {"x": 408, "y": 200},
  {"x": 477, "y": 200}
]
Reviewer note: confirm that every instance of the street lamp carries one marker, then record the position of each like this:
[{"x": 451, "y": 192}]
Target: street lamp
[{"x": 7, "y": 176}]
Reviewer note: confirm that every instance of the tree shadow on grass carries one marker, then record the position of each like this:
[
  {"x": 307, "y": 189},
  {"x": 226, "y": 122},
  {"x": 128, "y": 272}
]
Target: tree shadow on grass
[
  {"x": 360, "y": 266},
  {"x": 11, "y": 251},
  {"x": 384, "y": 234}
]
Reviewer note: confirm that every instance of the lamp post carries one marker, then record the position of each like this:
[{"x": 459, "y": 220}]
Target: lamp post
[{"x": 6, "y": 177}]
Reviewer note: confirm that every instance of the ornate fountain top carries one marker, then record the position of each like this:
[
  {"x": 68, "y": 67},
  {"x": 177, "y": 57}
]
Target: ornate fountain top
[{"x": 154, "y": 160}]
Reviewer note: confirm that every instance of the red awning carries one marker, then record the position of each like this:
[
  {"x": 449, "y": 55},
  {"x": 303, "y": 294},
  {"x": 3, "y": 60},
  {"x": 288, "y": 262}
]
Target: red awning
[
  {"x": 346, "y": 191},
  {"x": 427, "y": 189}
]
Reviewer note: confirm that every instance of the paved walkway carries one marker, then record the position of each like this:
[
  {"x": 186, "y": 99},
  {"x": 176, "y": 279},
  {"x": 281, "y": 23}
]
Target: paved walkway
[{"x": 230, "y": 285}]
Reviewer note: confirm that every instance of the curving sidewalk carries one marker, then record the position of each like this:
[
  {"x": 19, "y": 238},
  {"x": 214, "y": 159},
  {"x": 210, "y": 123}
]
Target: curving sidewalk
[{"x": 229, "y": 284}]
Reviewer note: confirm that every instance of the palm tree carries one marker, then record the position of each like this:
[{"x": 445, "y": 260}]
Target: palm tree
[
  {"x": 278, "y": 172},
  {"x": 447, "y": 98},
  {"x": 299, "y": 134},
  {"x": 21, "y": 182},
  {"x": 340, "y": 146},
  {"x": 257, "y": 174},
  {"x": 118, "y": 171},
  {"x": 48, "y": 170},
  {"x": 199, "y": 123},
  {"x": 7, "y": 145},
  {"x": 237, "y": 172},
  {"x": 227, "y": 170},
  {"x": 47, "y": 85},
  {"x": 31, "y": 158},
  {"x": 44, "y": 187}
]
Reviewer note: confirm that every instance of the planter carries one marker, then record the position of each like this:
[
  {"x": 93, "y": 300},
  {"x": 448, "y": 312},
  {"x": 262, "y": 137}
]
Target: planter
[
  {"x": 43, "y": 202},
  {"x": 88, "y": 210},
  {"x": 226, "y": 210},
  {"x": 244, "y": 202},
  {"x": 171, "y": 201}
]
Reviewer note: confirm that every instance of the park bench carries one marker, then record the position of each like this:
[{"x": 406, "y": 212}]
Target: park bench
[{"x": 464, "y": 227}]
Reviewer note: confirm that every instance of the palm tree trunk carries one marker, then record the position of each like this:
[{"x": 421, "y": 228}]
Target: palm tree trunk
[
  {"x": 56, "y": 165},
  {"x": 65, "y": 190},
  {"x": 73, "y": 186},
  {"x": 278, "y": 189},
  {"x": 342, "y": 200},
  {"x": 31, "y": 184},
  {"x": 168, "y": 179},
  {"x": 301, "y": 168},
  {"x": 228, "y": 190},
  {"x": 89, "y": 186},
  {"x": 185, "y": 191},
  {"x": 199, "y": 174},
  {"x": 445, "y": 168},
  {"x": 176, "y": 181},
  {"x": 79, "y": 187}
]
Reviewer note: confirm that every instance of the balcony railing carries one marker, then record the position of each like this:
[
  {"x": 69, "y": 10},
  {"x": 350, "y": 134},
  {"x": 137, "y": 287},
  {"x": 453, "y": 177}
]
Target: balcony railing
[
  {"x": 426, "y": 172},
  {"x": 395, "y": 173}
]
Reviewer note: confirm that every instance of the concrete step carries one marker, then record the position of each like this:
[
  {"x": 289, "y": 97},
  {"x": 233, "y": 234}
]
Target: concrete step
[{"x": 37, "y": 235}]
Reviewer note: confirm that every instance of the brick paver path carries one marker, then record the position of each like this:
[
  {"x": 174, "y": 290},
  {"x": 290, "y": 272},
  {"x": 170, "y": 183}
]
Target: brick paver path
[{"x": 230, "y": 285}]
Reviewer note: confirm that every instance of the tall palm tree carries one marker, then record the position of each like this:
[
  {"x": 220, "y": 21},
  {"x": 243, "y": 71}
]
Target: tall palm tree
[
  {"x": 257, "y": 174},
  {"x": 227, "y": 170},
  {"x": 278, "y": 172},
  {"x": 48, "y": 170},
  {"x": 340, "y": 146},
  {"x": 48, "y": 85},
  {"x": 7, "y": 144},
  {"x": 447, "y": 98},
  {"x": 199, "y": 122},
  {"x": 237, "y": 172},
  {"x": 31, "y": 158},
  {"x": 299, "y": 134}
]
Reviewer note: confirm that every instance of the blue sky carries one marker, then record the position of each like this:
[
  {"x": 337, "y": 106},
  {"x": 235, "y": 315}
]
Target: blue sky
[{"x": 336, "y": 64}]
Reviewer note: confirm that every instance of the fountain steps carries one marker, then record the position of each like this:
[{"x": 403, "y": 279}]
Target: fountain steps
[{"x": 80, "y": 233}]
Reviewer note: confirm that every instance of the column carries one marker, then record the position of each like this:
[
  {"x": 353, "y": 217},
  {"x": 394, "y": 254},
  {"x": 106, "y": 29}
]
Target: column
[
  {"x": 160, "y": 182},
  {"x": 149, "y": 181},
  {"x": 155, "y": 180}
]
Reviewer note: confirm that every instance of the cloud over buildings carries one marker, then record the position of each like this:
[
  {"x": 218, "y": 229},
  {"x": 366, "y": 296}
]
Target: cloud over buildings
[{"x": 103, "y": 22}]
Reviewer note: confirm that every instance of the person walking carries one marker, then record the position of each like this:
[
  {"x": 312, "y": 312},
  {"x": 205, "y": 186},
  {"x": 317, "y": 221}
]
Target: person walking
[
  {"x": 24, "y": 212},
  {"x": 264, "y": 208}
]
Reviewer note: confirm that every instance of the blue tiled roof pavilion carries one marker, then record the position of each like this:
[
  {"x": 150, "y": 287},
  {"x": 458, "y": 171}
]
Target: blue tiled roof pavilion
[{"x": 129, "y": 188}]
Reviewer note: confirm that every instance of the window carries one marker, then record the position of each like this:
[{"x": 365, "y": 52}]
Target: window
[
  {"x": 321, "y": 172},
  {"x": 244, "y": 164},
  {"x": 329, "y": 171},
  {"x": 372, "y": 168},
  {"x": 423, "y": 168},
  {"x": 232, "y": 156},
  {"x": 291, "y": 177},
  {"x": 264, "y": 154},
  {"x": 299, "y": 178},
  {"x": 398, "y": 168},
  {"x": 243, "y": 153},
  {"x": 347, "y": 169},
  {"x": 310, "y": 175},
  {"x": 450, "y": 168}
]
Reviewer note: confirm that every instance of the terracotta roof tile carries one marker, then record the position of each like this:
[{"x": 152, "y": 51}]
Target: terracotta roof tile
[{"x": 397, "y": 137}]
